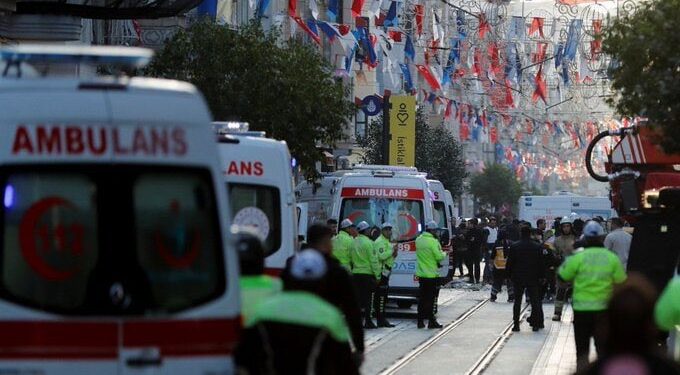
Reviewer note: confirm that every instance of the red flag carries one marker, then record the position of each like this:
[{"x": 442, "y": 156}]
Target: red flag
[
  {"x": 483, "y": 119},
  {"x": 447, "y": 112},
  {"x": 541, "y": 91},
  {"x": 596, "y": 44},
  {"x": 292, "y": 8},
  {"x": 536, "y": 25},
  {"x": 464, "y": 131},
  {"x": 493, "y": 135},
  {"x": 477, "y": 64},
  {"x": 494, "y": 56},
  {"x": 420, "y": 12},
  {"x": 431, "y": 80},
  {"x": 343, "y": 29},
  {"x": 539, "y": 56},
  {"x": 530, "y": 126},
  {"x": 484, "y": 26},
  {"x": 306, "y": 28},
  {"x": 509, "y": 100},
  {"x": 394, "y": 35},
  {"x": 357, "y": 5}
]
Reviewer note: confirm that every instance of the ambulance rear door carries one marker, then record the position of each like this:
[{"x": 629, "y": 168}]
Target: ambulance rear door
[{"x": 259, "y": 180}]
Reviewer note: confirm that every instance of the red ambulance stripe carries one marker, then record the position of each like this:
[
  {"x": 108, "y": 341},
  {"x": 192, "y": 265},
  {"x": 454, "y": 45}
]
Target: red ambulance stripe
[
  {"x": 184, "y": 337},
  {"x": 99, "y": 341},
  {"x": 379, "y": 192},
  {"x": 58, "y": 340},
  {"x": 273, "y": 271}
]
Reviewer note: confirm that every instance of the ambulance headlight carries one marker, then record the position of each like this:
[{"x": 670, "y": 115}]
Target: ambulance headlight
[
  {"x": 8, "y": 198},
  {"x": 293, "y": 162}
]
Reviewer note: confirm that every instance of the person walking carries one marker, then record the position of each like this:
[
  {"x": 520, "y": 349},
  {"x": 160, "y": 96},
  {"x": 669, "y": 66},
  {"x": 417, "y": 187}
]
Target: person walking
[
  {"x": 339, "y": 288},
  {"x": 428, "y": 255},
  {"x": 491, "y": 232},
  {"x": 366, "y": 270},
  {"x": 459, "y": 250},
  {"x": 255, "y": 285},
  {"x": 594, "y": 271},
  {"x": 386, "y": 254},
  {"x": 343, "y": 244},
  {"x": 564, "y": 247},
  {"x": 499, "y": 257},
  {"x": 474, "y": 238},
  {"x": 526, "y": 269},
  {"x": 296, "y": 331},
  {"x": 618, "y": 240}
]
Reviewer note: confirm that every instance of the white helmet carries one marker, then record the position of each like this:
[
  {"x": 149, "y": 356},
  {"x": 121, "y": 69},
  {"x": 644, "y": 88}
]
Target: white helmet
[{"x": 566, "y": 220}]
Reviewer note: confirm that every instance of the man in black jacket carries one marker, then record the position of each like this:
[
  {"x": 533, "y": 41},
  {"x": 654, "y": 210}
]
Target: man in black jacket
[
  {"x": 526, "y": 268},
  {"x": 338, "y": 286},
  {"x": 474, "y": 237}
]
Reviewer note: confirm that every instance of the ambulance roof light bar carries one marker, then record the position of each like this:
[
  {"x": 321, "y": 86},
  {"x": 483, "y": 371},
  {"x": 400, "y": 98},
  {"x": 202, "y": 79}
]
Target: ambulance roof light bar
[
  {"x": 222, "y": 128},
  {"x": 394, "y": 168},
  {"x": 132, "y": 57}
]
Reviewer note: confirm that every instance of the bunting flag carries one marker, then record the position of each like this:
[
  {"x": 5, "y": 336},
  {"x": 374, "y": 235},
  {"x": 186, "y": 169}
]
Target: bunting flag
[
  {"x": 484, "y": 26},
  {"x": 409, "y": 50},
  {"x": 407, "y": 77},
  {"x": 596, "y": 43},
  {"x": 332, "y": 11},
  {"x": 346, "y": 39},
  {"x": 314, "y": 9},
  {"x": 516, "y": 30},
  {"x": 374, "y": 8},
  {"x": 420, "y": 12},
  {"x": 540, "y": 91},
  {"x": 357, "y": 5},
  {"x": 292, "y": 8},
  {"x": 460, "y": 24},
  {"x": 367, "y": 44},
  {"x": 427, "y": 75},
  {"x": 573, "y": 36},
  {"x": 394, "y": 35},
  {"x": 539, "y": 56},
  {"x": 477, "y": 65},
  {"x": 447, "y": 112},
  {"x": 312, "y": 34},
  {"x": 537, "y": 26},
  {"x": 493, "y": 135},
  {"x": 509, "y": 100},
  {"x": 262, "y": 8},
  {"x": 391, "y": 18}
]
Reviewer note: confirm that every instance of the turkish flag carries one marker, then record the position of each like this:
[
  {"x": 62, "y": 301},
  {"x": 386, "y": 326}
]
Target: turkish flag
[
  {"x": 292, "y": 8},
  {"x": 484, "y": 26},
  {"x": 541, "y": 90},
  {"x": 420, "y": 12},
  {"x": 357, "y": 5},
  {"x": 536, "y": 25},
  {"x": 431, "y": 80}
]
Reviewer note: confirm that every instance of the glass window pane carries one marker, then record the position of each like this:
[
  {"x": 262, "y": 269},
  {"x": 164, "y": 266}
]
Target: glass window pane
[
  {"x": 50, "y": 238},
  {"x": 258, "y": 206},
  {"x": 406, "y": 215},
  {"x": 176, "y": 238}
]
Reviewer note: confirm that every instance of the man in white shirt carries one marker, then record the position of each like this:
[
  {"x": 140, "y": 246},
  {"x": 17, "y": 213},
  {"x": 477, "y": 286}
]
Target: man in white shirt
[
  {"x": 491, "y": 232},
  {"x": 618, "y": 240}
]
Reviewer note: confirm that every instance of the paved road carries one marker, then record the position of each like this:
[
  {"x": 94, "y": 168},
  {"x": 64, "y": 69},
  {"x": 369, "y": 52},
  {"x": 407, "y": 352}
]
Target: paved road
[{"x": 458, "y": 351}]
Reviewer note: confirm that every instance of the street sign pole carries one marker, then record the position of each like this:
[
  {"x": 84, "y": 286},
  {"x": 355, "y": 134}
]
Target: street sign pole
[{"x": 386, "y": 129}]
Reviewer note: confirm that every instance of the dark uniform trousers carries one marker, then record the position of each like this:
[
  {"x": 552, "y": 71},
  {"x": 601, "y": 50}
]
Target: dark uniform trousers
[
  {"x": 534, "y": 292},
  {"x": 428, "y": 290},
  {"x": 380, "y": 297},
  {"x": 585, "y": 327},
  {"x": 365, "y": 285}
]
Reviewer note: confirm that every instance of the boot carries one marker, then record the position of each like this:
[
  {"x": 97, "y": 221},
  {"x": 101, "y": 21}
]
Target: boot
[
  {"x": 421, "y": 324},
  {"x": 385, "y": 323},
  {"x": 557, "y": 318},
  {"x": 515, "y": 327},
  {"x": 369, "y": 325},
  {"x": 434, "y": 324}
]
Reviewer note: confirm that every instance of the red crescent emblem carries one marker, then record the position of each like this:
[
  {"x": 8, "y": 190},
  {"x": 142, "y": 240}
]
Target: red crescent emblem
[
  {"x": 27, "y": 242},
  {"x": 355, "y": 215},
  {"x": 186, "y": 260},
  {"x": 412, "y": 226}
]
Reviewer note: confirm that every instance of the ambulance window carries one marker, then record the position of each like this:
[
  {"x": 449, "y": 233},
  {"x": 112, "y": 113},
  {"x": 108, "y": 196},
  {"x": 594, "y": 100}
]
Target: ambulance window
[
  {"x": 176, "y": 232},
  {"x": 49, "y": 238},
  {"x": 258, "y": 206},
  {"x": 440, "y": 214},
  {"x": 406, "y": 215}
]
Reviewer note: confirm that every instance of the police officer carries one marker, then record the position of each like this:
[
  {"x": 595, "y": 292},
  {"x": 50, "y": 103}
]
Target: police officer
[
  {"x": 366, "y": 270},
  {"x": 594, "y": 272},
  {"x": 255, "y": 285},
  {"x": 343, "y": 244},
  {"x": 386, "y": 254},
  {"x": 320, "y": 338},
  {"x": 564, "y": 246},
  {"x": 428, "y": 255}
]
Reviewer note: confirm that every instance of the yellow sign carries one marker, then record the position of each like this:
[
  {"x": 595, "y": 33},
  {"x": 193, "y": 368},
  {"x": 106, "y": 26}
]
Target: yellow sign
[{"x": 403, "y": 130}]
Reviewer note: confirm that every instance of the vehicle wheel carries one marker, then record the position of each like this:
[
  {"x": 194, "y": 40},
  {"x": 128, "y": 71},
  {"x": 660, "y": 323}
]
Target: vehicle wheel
[{"x": 404, "y": 304}]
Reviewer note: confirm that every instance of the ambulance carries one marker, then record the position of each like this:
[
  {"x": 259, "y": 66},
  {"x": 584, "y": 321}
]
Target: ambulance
[
  {"x": 399, "y": 195},
  {"x": 258, "y": 175},
  {"x": 443, "y": 208},
  {"x": 114, "y": 257},
  {"x": 315, "y": 200}
]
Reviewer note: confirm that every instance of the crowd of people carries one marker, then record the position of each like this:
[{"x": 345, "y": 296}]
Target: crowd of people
[{"x": 334, "y": 288}]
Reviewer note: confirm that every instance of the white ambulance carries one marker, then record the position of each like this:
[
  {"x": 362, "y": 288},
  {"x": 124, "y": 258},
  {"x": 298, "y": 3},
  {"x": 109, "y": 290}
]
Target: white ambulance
[
  {"x": 380, "y": 193},
  {"x": 259, "y": 180},
  {"x": 443, "y": 208},
  {"x": 114, "y": 257}
]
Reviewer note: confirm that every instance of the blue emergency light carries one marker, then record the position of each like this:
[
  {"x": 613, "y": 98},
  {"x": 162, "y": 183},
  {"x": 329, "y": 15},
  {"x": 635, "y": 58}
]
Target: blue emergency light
[
  {"x": 133, "y": 57},
  {"x": 222, "y": 128}
]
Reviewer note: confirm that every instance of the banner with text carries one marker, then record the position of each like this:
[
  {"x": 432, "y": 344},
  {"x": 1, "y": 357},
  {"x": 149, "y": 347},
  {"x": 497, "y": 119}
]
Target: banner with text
[{"x": 403, "y": 130}]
